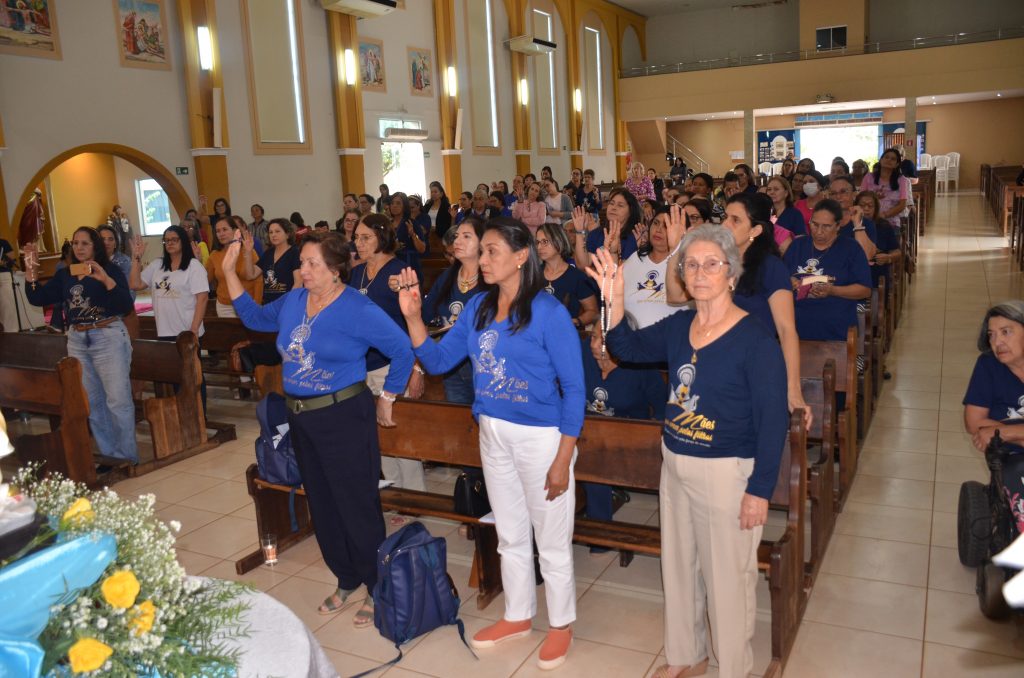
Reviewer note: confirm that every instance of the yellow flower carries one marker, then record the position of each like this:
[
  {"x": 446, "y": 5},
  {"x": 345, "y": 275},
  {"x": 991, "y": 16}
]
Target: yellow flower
[
  {"x": 120, "y": 589},
  {"x": 88, "y": 654},
  {"x": 145, "y": 615},
  {"x": 79, "y": 512}
]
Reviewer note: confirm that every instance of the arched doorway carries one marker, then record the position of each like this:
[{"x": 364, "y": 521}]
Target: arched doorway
[{"x": 176, "y": 193}]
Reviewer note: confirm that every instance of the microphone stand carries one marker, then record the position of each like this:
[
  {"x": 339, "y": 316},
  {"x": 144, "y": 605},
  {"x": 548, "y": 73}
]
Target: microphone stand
[{"x": 14, "y": 293}]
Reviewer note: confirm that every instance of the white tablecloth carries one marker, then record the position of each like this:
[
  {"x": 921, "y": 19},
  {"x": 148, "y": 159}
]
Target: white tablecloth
[{"x": 279, "y": 644}]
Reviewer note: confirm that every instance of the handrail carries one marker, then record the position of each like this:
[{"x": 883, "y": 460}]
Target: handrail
[
  {"x": 701, "y": 162},
  {"x": 800, "y": 55}
]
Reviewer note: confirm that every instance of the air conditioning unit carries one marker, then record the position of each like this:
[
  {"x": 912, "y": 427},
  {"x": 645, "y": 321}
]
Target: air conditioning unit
[
  {"x": 527, "y": 44},
  {"x": 824, "y": 98},
  {"x": 364, "y": 9},
  {"x": 405, "y": 134}
]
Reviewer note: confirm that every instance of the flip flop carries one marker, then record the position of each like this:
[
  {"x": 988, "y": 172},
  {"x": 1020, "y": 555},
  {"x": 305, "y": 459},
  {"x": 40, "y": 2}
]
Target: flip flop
[
  {"x": 363, "y": 618},
  {"x": 329, "y": 607}
]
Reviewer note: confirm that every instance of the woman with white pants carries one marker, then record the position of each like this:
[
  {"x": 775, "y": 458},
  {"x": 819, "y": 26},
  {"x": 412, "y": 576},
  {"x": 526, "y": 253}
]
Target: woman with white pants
[{"x": 529, "y": 401}]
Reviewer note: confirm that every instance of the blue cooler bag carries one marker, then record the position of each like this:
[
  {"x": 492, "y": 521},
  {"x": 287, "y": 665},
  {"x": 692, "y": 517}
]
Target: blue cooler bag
[{"x": 414, "y": 594}]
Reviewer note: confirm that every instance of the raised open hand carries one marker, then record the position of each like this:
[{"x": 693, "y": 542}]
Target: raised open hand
[
  {"x": 409, "y": 299},
  {"x": 676, "y": 226}
]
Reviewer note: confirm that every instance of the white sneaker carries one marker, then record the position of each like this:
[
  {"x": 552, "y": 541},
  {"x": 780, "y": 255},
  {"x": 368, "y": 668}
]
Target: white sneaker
[
  {"x": 1012, "y": 555},
  {"x": 1013, "y": 590}
]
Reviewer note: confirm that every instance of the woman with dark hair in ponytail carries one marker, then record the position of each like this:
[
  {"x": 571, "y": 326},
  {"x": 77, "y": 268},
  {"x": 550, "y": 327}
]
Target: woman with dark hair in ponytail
[
  {"x": 528, "y": 377},
  {"x": 764, "y": 290}
]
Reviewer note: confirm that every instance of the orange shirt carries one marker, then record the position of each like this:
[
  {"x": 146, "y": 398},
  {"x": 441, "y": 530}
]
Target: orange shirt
[{"x": 214, "y": 273}]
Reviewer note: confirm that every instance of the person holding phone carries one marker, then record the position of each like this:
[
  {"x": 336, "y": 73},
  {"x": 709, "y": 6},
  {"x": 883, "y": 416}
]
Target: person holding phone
[{"x": 94, "y": 294}]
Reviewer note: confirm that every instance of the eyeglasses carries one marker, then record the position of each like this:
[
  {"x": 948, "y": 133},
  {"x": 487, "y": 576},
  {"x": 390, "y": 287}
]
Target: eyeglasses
[
  {"x": 363, "y": 238},
  {"x": 710, "y": 267},
  {"x": 543, "y": 242},
  {"x": 816, "y": 224},
  {"x": 170, "y": 240}
]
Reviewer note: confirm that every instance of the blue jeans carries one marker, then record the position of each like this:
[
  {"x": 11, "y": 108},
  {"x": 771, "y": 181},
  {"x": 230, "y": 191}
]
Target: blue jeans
[
  {"x": 458, "y": 384},
  {"x": 106, "y": 357}
]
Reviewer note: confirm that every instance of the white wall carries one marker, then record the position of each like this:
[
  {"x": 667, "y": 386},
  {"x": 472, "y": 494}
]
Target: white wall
[
  {"x": 719, "y": 33},
  {"x": 399, "y": 30},
  {"x": 51, "y": 106},
  {"x": 309, "y": 183}
]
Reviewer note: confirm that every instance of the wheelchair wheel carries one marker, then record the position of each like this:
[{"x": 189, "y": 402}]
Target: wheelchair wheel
[
  {"x": 973, "y": 524},
  {"x": 990, "y": 592}
]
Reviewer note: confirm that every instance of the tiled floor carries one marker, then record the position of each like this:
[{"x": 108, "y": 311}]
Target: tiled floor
[{"x": 892, "y": 599}]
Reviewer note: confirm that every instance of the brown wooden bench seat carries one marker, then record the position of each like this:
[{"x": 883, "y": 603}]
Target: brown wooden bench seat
[
  {"x": 177, "y": 423},
  {"x": 813, "y": 356},
  {"x": 55, "y": 391}
]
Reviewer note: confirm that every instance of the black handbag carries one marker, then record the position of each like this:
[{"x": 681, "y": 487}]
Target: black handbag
[{"x": 471, "y": 494}]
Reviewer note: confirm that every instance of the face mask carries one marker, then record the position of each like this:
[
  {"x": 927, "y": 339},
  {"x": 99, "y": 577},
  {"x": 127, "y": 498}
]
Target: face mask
[{"x": 811, "y": 189}]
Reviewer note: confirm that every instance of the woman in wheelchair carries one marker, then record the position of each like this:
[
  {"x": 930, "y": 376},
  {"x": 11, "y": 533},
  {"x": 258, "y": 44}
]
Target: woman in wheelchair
[{"x": 995, "y": 396}]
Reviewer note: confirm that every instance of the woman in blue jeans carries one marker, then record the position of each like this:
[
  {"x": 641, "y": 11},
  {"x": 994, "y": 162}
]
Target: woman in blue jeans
[{"x": 94, "y": 301}]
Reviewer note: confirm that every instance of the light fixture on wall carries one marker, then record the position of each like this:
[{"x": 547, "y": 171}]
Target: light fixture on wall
[
  {"x": 577, "y": 100},
  {"x": 453, "y": 82},
  {"x": 205, "y": 48},
  {"x": 524, "y": 92},
  {"x": 350, "y": 67}
]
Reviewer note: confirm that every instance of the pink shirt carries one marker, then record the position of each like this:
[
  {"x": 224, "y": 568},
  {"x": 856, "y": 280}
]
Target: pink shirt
[
  {"x": 782, "y": 234},
  {"x": 531, "y": 213},
  {"x": 801, "y": 206},
  {"x": 888, "y": 197},
  {"x": 641, "y": 188}
]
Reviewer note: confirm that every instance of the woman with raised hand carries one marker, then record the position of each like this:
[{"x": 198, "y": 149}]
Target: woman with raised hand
[
  {"x": 229, "y": 230},
  {"x": 528, "y": 376},
  {"x": 279, "y": 263},
  {"x": 324, "y": 330},
  {"x": 647, "y": 273},
  {"x": 725, "y": 426},
  {"x": 623, "y": 214},
  {"x": 94, "y": 299}
]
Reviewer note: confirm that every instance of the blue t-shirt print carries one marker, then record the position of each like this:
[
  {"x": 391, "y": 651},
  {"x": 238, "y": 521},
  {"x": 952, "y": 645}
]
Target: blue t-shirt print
[
  {"x": 501, "y": 385},
  {"x": 997, "y": 389}
]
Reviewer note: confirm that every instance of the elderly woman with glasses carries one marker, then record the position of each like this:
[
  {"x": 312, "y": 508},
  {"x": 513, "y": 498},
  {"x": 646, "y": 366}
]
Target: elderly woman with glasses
[
  {"x": 725, "y": 426},
  {"x": 830, "y": 274}
]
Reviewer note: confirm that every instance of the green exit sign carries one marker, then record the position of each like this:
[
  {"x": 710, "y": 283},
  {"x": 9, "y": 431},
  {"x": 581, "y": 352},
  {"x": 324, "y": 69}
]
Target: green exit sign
[{"x": 180, "y": 170}]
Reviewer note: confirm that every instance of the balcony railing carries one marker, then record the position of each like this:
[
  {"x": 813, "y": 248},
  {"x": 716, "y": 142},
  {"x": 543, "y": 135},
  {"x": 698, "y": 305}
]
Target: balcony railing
[{"x": 800, "y": 55}]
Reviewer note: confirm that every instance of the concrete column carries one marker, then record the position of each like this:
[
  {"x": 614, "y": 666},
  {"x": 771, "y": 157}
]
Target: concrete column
[{"x": 910, "y": 149}]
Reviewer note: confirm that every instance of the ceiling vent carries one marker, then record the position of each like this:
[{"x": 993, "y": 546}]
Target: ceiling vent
[
  {"x": 824, "y": 98},
  {"x": 527, "y": 44},
  {"x": 364, "y": 9}
]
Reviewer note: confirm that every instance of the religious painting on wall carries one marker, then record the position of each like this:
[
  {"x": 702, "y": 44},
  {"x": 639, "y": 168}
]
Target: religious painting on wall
[
  {"x": 421, "y": 71},
  {"x": 371, "y": 65},
  {"x": 29, "y": 28},
  {"x": 142, "y": 33}
]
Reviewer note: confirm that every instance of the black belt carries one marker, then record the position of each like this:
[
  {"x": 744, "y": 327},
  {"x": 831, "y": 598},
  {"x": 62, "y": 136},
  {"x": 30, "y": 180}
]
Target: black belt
[{"x": 297, "y": 405}]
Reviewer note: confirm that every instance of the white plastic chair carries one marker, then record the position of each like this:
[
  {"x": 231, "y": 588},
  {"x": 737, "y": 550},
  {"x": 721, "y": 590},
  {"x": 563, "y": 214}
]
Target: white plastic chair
[
  {"x": 941, "y": 165},
  {"x": 926, "y": 161},
  {"x": 953, "y": 172},
  {"x": 765, "y": 169}
]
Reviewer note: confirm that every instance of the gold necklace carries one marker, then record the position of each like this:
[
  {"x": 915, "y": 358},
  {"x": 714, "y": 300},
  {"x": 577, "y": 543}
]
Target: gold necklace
[
  {"x": 330, "y": 297},
  {"x": 705, "y": 335},
  {"x": 467, "y": 285}
]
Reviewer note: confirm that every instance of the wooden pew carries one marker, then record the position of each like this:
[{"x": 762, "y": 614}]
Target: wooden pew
[
  {"x": 820, "y": 396},
  {"x": 177, "y": 423},
  {"x": 222, "y": 338},
  {"x": 55, "y": 391},
  {"x": 1001, "y": 190},
  {"x": 813, "y": 356},
  {"x": 613, "y": 451}
]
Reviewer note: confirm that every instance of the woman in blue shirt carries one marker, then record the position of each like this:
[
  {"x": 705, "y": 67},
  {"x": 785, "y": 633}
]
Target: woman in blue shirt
[
  {"x": 725, "y": 427},
  {"x": 411, "y": 238},
  {"x": 529, "y": 403},
  {"x": 826, "y": 309},
  {"x": 324, "y": 330},
  {"x": 279, "y": 263},
  {"x": 564, "y": 281},
  {"x": 375, "y": 243},
  {"x": 995, "y": 395},
  {"x": 787, "y": 216},
  {"x": 622, "y": 212},
  {"x": 449, "y": 296},
  {"x": 93, "y": 306}
]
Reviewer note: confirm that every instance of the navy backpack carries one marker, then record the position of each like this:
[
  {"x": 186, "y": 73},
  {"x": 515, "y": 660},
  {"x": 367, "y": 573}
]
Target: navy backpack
[
  {"x": 277, "y": 464},
  {"x": 414, "y": 594}
]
